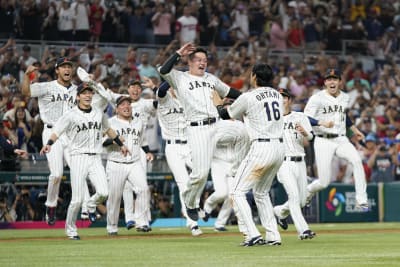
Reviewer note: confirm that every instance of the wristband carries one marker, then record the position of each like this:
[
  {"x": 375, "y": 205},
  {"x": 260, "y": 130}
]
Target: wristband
[
  {"x": 118, "y": 141},
  {"x": 50, "y": 142}
]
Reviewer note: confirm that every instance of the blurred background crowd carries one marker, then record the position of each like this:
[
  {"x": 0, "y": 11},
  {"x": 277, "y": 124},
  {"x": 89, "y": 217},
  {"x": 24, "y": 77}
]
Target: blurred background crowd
[{"x": 121, "y": 41}]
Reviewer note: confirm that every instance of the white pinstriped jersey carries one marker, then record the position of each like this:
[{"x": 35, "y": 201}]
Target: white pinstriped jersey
[
  {"x": 54, "y": 100},
  {"x": 262, "y": 111},
  {"x": 322, "y": 106},
  {"x": 195, "y": 93},
  {"x": 84, "y": 129},
  {"x": 132, "y": 132},
  {"x": 232, "y": 142},
  {"x": 293, "y": 139},
  {"x": 171, "y": 118}
]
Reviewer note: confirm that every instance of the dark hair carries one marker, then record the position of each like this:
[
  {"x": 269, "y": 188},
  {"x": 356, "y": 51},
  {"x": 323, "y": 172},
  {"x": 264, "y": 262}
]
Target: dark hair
[
  {"x": 16, "y": 116},
  {"x": 197, "y": 50},
  {"x": 264, "y": 74}
]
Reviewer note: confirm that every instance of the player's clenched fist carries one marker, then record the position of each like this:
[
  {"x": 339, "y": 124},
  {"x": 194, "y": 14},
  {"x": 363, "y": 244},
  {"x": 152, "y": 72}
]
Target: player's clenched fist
[{"x": 186, "y": 49}]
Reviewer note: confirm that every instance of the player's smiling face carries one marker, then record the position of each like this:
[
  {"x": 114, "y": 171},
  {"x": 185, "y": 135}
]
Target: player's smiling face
[
  {"x": 64, "y": 74},
  {"x": 85, "y": 99},
  {"x": 124, "y": 110},
  {"x": 332, "y": 86},
  {"x": 198, "y": 64},
  {"x": 134, "y": 91}
]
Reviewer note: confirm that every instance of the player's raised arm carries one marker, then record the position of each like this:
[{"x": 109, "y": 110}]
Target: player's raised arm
[
  {"x": 185, "y": 50},
  {"x": 26, "y": 82}
]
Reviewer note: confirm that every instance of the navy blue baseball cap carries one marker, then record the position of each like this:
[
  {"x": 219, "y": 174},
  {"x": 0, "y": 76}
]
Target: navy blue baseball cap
[
  {"x": 333, "y": 73},
  {"x": 83, "y": 87},
  {"x": 62, "y": 61},
  {"x": 122, "y": 99}
]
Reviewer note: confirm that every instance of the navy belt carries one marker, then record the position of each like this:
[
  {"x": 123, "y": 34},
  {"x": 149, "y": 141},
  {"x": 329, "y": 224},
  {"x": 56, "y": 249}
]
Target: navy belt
[
  {"x": 49, "y": 126},
  {"x": 176, "y": 141},
  {"x": 203, "y": 122},
  {"x": 329, "y": 135},
  {"x": 297, "y": 159},
  {"x": 130, "y": 162},
  {"x": 90, "y": 154},
  {"x": 268, "y": 139}
]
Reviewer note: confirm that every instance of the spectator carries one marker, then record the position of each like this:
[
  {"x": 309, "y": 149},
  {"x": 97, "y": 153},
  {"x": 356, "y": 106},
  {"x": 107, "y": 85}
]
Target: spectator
[
  {"x": 112, "y": 28},
  {"x": 162, "y": 21},
  {"x": 8, "y": 152},
  {"x": 96, "y": 20},
  {"x": 295, "y": 35},
  {"x": 145, "y": 69},
  {"x": 22, "y": 128},
  {"x": 16, "y": 103},
  {"x": 187, "y": 28},
  {"x": 109, "y": 70},
  {"x": 50, "y": 24},
  {"x": 25, "y": 60},
  {"x": 30, "y": 23},
  {"x": 81, "y": 10},
  {"x": 66, "y": 21},
  {"x": 23, "y": 206},
  {"x": 277, "y": 35},
  {"x": 137, "y": 26},
  {"x": 383, "y": 162},
  {"x": 8, "y": 16},
  {"x": 90, "y": 57},
  {"x": 7, "y": 214},
  {"x": 9, "y": 64}
]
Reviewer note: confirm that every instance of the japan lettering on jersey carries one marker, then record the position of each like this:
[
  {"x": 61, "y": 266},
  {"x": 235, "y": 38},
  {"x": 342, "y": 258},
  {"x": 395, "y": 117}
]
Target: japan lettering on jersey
[
  {"x": 195, "y": 93},
  {"x": 54, "y": 100},
  {"x": 132, "y": 132},
  {"x": 322, "y": 106},
  {"x": 171, "y": 118},
  {"x": 85, "y": 130},
  {"x": 262, "y": 111},
  {"x": 293, "y": 139}
]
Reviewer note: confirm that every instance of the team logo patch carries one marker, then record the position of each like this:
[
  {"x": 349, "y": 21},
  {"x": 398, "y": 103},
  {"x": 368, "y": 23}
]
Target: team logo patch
[{"x": 335, "y": 202}]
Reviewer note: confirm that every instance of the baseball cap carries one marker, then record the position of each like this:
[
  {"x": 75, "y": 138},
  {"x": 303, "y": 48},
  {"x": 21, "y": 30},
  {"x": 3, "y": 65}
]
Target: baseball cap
[
  {"x": 332, "y": 73},
  {"x": 62, "y": 61},
  {"x": 135, "y": 82},
  {"x": 285, "y": 92},
  {"x": 26, "y": 48},
  {"x": 83, "y": 87},
  {"x": 391, "y": 127},
  {"x": 122, "y": 99},
  {"x": 370, "y": 138}
]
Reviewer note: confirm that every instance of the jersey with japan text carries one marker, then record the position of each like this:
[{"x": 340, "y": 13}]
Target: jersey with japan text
[
  {"x": 171, "y": 118},
  {"x": 84, "y": 129},
  {"x": 293, "y": 139}
]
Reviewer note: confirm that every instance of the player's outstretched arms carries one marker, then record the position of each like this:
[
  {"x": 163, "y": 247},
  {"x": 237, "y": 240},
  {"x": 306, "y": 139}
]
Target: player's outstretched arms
[{"x": 25, "y": 86}]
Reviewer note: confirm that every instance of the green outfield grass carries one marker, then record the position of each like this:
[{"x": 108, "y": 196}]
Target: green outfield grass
[{"x": 361, "y": 244}]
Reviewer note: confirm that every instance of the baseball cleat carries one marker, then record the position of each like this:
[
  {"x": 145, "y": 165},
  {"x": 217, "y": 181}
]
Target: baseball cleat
[
  {"x": 363, "y": 207},
  {"x": 130, "y": 225},
  {"x": 51, "y": 215},
  {"x": 75, "y": 237},
  {"x": 144, "y": 228},
  {"x": 193, "y": 214},
  {"x": 255, "y": 241},
  {"x": 196, "y": 231},
  {"x": 92, "y": 217},
  {"x": 282, "y": 223},
  {"x": 307, "y": 234},
  {"x": 220, "y": 229},
  {"x": 273, "y": 243},
  {"x": 206, "y": 216},
  {"x": 84, "y": 216}
]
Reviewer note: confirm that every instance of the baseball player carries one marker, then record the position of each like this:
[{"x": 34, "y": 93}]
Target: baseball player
[
  {"x": 194, "y": 90},
  {"x": 84, "y": 125},
  {"x": 293, "y": 173},
  {"x": 331, "y": 104},
  {"x": 55, "y": 99},
  {"x": 121, "y": 169},
  {"x": 231, "y": 148},
  {"x": 262, "y": 111}
]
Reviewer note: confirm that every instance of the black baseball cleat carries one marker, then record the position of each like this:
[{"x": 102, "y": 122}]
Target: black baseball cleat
[
  {"x": 130, "y": 225},
  {"x": 255, "y": 241},
  {"x": 273, "y": 243},
  {"x": 51, "y": 215},
  {"x": 92, "y": 217},
  {"x": 193, "y": 214},
  {"x": 206, "y": 216},
  {"x": 282, "y": 223},
  {"x": 307, "y": 234},
  {"x": 75, "y": 237},
  {"x": 220, "y": 229},
  {"x": 144, "y": 228}
]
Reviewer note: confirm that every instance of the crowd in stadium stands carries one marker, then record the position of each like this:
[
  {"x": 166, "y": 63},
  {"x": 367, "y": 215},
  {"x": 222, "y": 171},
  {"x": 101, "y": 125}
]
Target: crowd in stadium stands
[{"x": 249, "y": 29}]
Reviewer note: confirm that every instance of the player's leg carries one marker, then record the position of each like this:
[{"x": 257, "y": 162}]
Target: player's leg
[
  {"x": 97, "y": 176},
  {"x": 79, "y": 171},
  {"x": 116, "y": 175},
  {"x": 219, "y": 170},
  {"x": 223, "y": 215},
  {"x": 84, "y": 209},
  {"x": 56, "y": 166},
  {"x": 273, "y": 161},
  {"x": 127, "y": 196},
  {"x": 201, "y": 142},
  {"x": 137, "y": 178},
  {"x": 144, "y": 164},
  {"x": 324, "y": 151},
  {"x": 176, "y": 156},
  {"x": 347, "y": 151}
]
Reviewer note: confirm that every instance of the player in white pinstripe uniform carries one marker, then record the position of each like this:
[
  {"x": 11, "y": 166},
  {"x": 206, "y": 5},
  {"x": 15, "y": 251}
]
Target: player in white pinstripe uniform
[
  {"x": 122, "y": 169},
  {"x": 173, "y": 130},
  {"x": 194, "y": 89},
  {"x": 55, "y": 98},
  {"x": 331, "y": 104},
  {"x": 84, "y": 125},
  {"x": 262, "y": 111},
  {"x": 293, "y": 173},
  {"x": 232, "y": 145}
]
